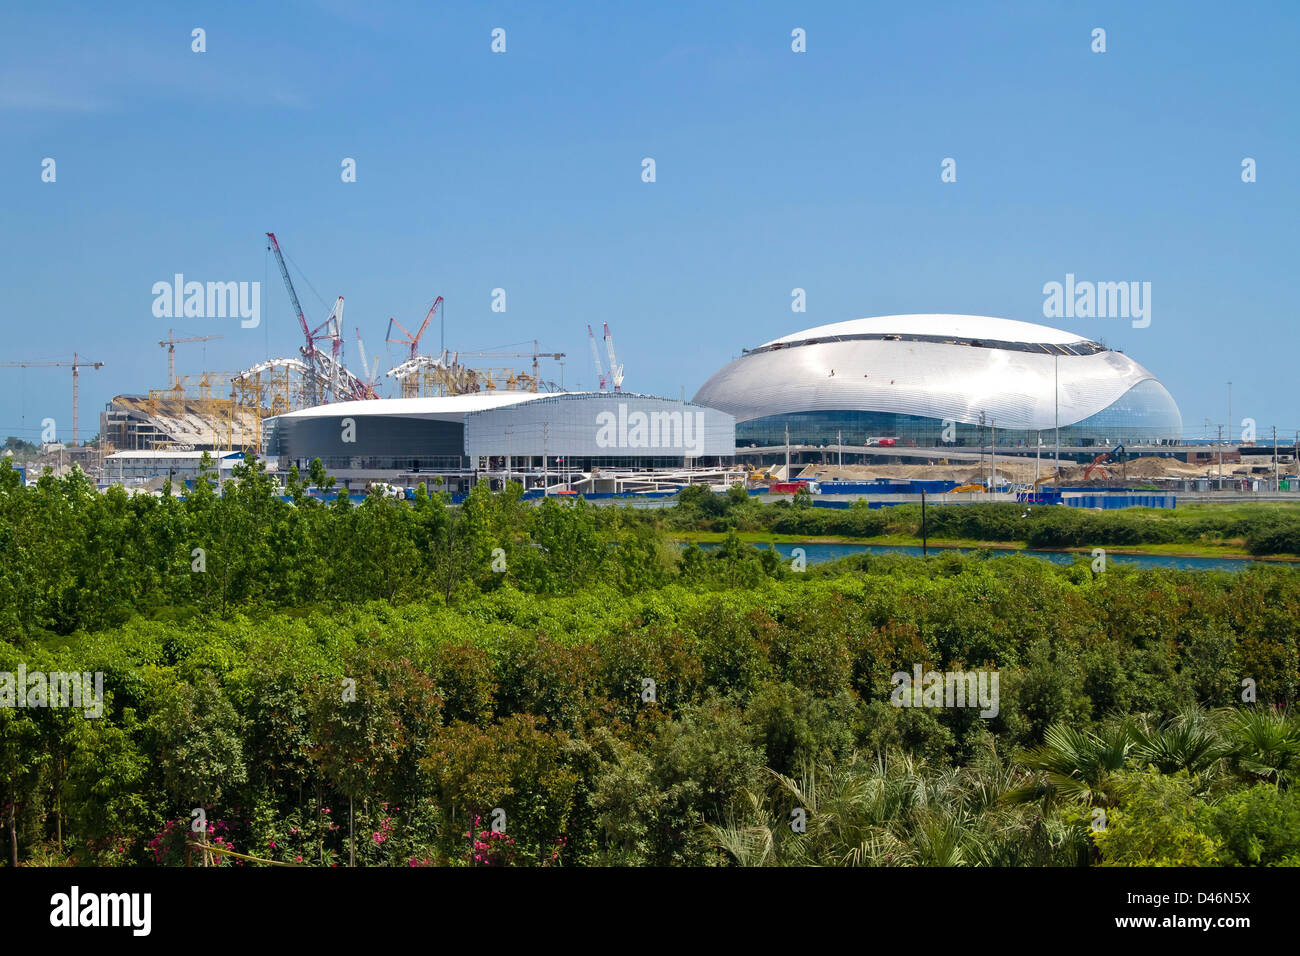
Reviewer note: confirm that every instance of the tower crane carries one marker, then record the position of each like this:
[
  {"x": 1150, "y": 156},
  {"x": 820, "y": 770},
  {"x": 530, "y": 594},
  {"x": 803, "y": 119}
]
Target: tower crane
[
  {"x": 77, "y": 364},
  {"x": 412, "y": 340},
  {"x": 595, "y": 357},
  {"x": 534, "y": 355},
  {"x": 170, "y": 344}
]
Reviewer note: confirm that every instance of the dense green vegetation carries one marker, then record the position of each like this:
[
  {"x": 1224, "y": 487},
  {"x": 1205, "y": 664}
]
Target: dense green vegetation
[
  {"x": 1264, "y": 529},
  {"x": 381, "y": 683}
]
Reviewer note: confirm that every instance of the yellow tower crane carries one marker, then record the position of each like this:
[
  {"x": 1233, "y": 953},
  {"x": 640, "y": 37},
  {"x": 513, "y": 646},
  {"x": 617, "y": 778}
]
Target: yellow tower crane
[
  {"x": 170, "y": 344},
  {"x": 77, "y": 364}
]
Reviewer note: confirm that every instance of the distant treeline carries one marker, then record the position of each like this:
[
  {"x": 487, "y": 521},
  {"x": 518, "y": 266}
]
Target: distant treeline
[
  {"x": 1264, "y": 530},
  {"x": 75, "y": 558}
]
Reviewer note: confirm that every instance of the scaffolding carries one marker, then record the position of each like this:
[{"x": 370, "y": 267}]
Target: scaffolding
[
  {"x": 424, "y": 377},
  {"x": 270, "y": 388}
]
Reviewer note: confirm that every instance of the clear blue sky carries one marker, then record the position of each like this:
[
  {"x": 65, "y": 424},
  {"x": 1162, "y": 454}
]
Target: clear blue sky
[{"x": 775, "y": 170}]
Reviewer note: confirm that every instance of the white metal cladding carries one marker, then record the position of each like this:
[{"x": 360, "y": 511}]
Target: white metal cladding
[
  {"x": 938, "y": 380},
  {"x": 957, "y": 326},
  {"x": 601, "y": 424},
  {"x": 441, "y": 408}
]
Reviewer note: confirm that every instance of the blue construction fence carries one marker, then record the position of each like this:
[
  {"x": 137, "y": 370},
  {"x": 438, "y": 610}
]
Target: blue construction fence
[
  {"x": 1106, "y": 502},
  {"x": 886, "y": 487}
]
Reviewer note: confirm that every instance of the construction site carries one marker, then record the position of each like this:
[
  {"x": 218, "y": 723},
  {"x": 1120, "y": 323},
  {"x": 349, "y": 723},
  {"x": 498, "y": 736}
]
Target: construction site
[
  {"x": 153, "y": 433},
  {"x": 463, "y": 416},
  {"x": 218, "y": 411}
]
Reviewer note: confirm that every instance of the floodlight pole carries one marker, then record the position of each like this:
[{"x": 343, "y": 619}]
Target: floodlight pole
[
  {"x": 993, "y": 452},
  {"x": 1220, "y": 443},
  {"x": 1277, "y": 477},
  {"x": 924, "y": 551},
  {"x": 1056, "y": 390}
]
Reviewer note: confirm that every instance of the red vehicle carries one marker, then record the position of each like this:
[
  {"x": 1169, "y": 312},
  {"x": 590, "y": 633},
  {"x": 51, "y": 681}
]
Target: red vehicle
[
  {"x": 887, "y": 441},
  {"x": 792, "y": 487}
]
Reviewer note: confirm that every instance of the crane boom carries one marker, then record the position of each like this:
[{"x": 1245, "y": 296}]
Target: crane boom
[
  {"x": 77, "y": 364},
  {"x": 595, "y": 357},
  {"x": 309, "y": 350},
  {"x": 288, "y": 284},
  {"x": 368, "y": 373},
  {"x": 170, "y": 344},
  {"x": 412, "y": 340},
  {"x": 615, "y": 370}
]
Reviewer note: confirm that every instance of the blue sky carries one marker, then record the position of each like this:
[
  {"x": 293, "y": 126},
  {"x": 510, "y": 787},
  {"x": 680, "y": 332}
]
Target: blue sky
[{"x": 522, "y": 171}]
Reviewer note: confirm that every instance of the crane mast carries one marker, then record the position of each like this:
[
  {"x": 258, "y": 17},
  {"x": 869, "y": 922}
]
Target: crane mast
[
  {"x": 170, "y": 344},
  {"x": 77, "y": 364}
]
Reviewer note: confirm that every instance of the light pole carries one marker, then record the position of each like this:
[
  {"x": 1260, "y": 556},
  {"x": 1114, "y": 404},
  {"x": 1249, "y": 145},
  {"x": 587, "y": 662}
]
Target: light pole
[
  {"x": 1229, "y": 410},
  {"x": 993, "y": 453},
  {"x": 1277, "y": 477},
  {"x": 1056, "y": 395},
  {"x": 1220, "y": 443},
  {"x": 983, "y": 469}
]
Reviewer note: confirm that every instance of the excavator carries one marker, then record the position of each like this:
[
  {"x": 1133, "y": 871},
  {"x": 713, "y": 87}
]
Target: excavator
[{"x": 1115, "y": 454}]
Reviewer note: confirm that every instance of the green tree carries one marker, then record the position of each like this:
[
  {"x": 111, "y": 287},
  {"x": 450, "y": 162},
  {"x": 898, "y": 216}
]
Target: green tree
[{"x": 1157, "y": 820}]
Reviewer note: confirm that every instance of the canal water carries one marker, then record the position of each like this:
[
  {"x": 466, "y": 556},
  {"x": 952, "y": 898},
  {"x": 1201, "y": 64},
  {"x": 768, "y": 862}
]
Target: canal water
[{"x": 818, "y": 553}]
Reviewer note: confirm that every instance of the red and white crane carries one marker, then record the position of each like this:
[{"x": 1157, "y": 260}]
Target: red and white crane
[
  {"x": 329, "y": 374},
  {"x": 412, "y": 340}
]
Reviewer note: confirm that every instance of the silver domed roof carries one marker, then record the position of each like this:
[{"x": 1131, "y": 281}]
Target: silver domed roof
[{"x": 935, "y": 366}]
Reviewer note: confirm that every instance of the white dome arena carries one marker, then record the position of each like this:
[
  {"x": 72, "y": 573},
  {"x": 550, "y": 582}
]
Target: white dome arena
[{"x": 907, "y": 376}]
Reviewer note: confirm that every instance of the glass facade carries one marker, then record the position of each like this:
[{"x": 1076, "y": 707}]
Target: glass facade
[{"x": 1145, "y": 414}]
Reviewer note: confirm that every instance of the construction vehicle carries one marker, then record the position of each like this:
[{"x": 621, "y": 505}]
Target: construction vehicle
[
  {"x": 794, "y": 487},
  {"x": 613, "y": 380},
  {"x": 1115, "y": 454}
]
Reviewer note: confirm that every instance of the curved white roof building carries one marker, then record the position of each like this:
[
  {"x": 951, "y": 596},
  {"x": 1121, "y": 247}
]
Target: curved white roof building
[
  {"x": 905, "y": 376},
  {"x": 397, "y": 438}
]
